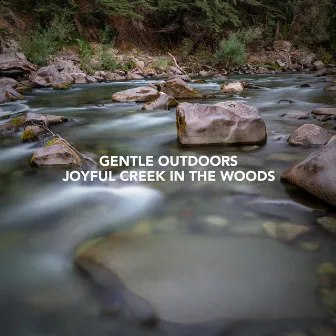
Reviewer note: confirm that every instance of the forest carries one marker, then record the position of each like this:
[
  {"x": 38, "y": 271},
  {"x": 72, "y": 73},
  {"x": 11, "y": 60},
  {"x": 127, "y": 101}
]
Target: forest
[{"x": 208, "y": 28}]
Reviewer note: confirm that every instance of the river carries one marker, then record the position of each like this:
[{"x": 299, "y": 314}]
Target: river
[{"x": 43, "y": 220}]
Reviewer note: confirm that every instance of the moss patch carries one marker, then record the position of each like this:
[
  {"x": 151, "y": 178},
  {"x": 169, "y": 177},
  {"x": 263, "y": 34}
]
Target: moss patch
[
  {"x": 65, "y": 86},
  {"x": 18, "y": 121},
  {"x": 50, "y": 143},
  {"x": 24, "y": 89},
  {"x": 28, "y": 135}
]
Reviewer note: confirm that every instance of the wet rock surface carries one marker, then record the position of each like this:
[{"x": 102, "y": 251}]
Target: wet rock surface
[
  {"x": 309, "y": 135},
  {"x": 162, "y": 102},
  {"x": 179, "y": 89},
  {"x": 222, "y": 123},
  {"x": 324, "y": 113},
  {"x": 315, "y": 174},
  {"x": 140, "y": 94}
]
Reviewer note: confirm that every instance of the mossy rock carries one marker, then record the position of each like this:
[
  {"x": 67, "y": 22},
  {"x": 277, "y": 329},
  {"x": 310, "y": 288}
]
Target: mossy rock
[
  {"x": 24, "y": 89},
  {"x": 51, "y": 142},
  {"x": 28, "y": 135},
  {"x": 61, "y": 86},
  {"x": 18, "y": 121}
]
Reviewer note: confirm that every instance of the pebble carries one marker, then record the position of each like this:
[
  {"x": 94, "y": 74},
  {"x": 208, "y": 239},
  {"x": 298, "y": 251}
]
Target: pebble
[
  {"x": 216, "y": 221},
  {"x": 285, "y": 231},
  {"x": 327, "y": 223}
]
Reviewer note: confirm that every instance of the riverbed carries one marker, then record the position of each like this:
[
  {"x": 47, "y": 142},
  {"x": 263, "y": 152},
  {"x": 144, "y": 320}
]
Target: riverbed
[{"x": 44, "y": 220}]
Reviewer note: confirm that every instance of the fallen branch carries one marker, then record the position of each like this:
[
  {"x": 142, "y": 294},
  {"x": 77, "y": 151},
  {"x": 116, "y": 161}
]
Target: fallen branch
[{"x": 175, "y": 63}]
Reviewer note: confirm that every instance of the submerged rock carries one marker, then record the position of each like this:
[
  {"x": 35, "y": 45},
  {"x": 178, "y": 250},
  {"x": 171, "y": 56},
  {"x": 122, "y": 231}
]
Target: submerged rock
[
  {"x": 328, "y": 224},
  {"x": 223, "y": 123},
  {"x": 162, "y": 102},
  {"x": 309, "y": 135},
  {"x": 163, "y": 275},
  {"x": 179, "y": 89},
  {"x": 331, "y": 88},
  {"x": 286, "y": 232},
  {"x": 57, "y": 152},
  {"x": 316, "y": 173},
  {"x": 140, "y": 94},
  {"x": 296, "y": 115},
  {"x": 324, "y": 113},
  {"x": 234, "y": 87}
]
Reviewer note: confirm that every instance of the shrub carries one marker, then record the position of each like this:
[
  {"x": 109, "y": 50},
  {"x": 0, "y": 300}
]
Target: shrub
[
  {"x": 162, "y": 63},
  {"x": 108, "y": 61},
  {"x": 42, "y": 43},
  {"x": 231, "y": 52},
  {"x": 86, "y": 52},
  {"x": 324, "y": 55},
  {"x": 39, "y": 45}
]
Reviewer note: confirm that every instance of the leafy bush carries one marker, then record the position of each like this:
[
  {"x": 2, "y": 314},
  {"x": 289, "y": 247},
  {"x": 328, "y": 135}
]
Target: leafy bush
[
  {"x": 324, "y": 55},
  {"x": 162, "y": 63},
  {"x": 85, "y": 50},
  {"x": 39, "y": 45},
  {"x": 231, "y": 52},
  {"x": 42, "y": 43},
  {"x": 108, "y": 61}
]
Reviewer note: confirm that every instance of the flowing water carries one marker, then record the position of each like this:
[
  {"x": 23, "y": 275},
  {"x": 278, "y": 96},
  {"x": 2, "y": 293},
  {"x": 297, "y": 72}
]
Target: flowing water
[{"x": 43, "y": 220}]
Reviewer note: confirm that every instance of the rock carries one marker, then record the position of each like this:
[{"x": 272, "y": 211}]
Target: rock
[
  {"x": 199, "y": 81},
  {"x": 9, "y": 94},
  {"x": 47, "y": 77},
  {"x": 13, "y": 125},
  {"x": 22, "y": 67},
  {"x": 316, "y": 173},
  {"x": 281, "y": 64},
  {"x": 296, "y": 115},
  {"x": 309, "y": 135},
  {"x": 234, "y": 87},
  {"x": 37, "y": 124},
  {"x": 203, "y": 73},
  {"x": 162, "y": 102},
  {"x": 4, "y": 81},
  {"x": 318, "y": 65},
  {"x": 206, "y": 273},
  {"x": 133, "y": 76},
  {"x": 331, "y": 87},
  {"x": 57, "y": 152},
  {"x": 179, "y": 89},
  {"x": 306, "y": 59},
  {"x": 324, "y": 113},
  {"x": 61, "y": 86},
  {"x": 305, "y": 85},
  {"x": 328, "y": 224},
  {"x": 282, "y": 46},
  {"x": 285, "y": 101},
  {"x": 140, "y": 65},
  {"x": 321, "y": 72},
  {"x": 114, "y": 77},
  {"x": 285, "y": 231},
  {"x": 223, "y": 123},
  {"x": 140, "y": 94},
  {"x": 185, "y": 78},
  {"x": 175, "y": 71},
  {"x": 91, "y": 79},
  {"x": 79, "y": 78},
  {"x": 98, "y": 79}
]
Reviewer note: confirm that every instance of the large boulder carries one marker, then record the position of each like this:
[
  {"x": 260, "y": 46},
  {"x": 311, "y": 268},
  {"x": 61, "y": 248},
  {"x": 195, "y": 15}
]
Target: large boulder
[
  {"x": 140, "y": 94},
  {"x": 309, "y": 135},
  {"x": 306, "y": 59},
  {"x": 49, "y": 76},
  {"x": 234, "y": 87},
  {"x": 162, "y": 102},
  {"x": 316, "y": 173},
  {"x": 56, "y": 152},
  {"x": 193, "y": 279},
  {"x": 324, "y": 113},
  {"x": 7, "y": 93},
  {"x": 318, "y": 65},
  {"x": 5, "y": 81},
  {"x": 179, "y": 89},
  {"x": 223, "y": 123}
]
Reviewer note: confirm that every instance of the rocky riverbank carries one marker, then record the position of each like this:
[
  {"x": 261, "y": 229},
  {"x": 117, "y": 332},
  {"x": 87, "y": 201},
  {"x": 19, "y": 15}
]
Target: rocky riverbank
[{"x": 18, "y": 74}]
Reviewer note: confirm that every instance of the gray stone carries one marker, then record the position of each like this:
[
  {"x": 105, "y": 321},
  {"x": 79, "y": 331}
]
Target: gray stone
[
  {"x": 309, "y": 135},
  {"x": 140, "y": 94},
  {"x": 324, "y": 113},
  {"x": 297, "y": 115},
  {"x": 179, "y": 89},
  {"x": 318, "y": 65},
  {"x": 223, "y": 123},
  {"x": 162, "y": 102}
]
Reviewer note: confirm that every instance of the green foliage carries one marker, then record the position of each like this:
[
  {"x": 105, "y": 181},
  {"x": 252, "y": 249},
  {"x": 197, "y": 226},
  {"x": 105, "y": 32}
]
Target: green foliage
[
  {"x": 85, "y": 50},
  {"x": 43, "y": 42},
  {"x": 108, "y": 61},
  {"x": 323, "y": 55},
  {"x": 39, "y": 45},
  {"x": 231, "y": 52},
  {"x": 162, "y": 63}
]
